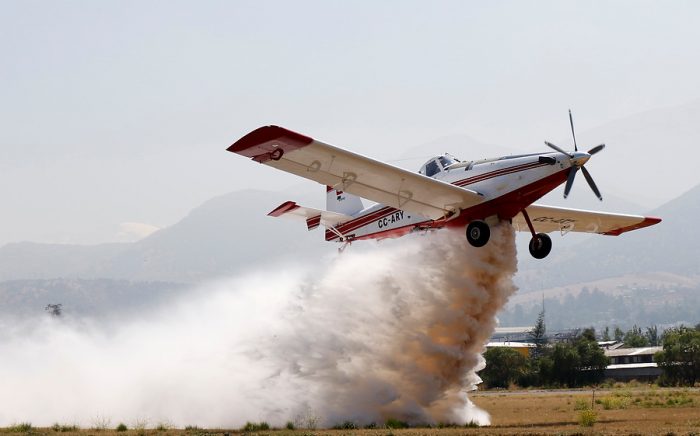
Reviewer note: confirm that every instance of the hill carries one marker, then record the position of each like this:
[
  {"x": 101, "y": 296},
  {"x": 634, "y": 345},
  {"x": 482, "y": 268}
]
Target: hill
[
  {"x": 223, "y": 236},
  {"x": 671, "y": 246}
]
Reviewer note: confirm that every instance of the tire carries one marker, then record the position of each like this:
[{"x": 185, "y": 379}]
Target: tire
[
  {"x": 540, "y": 246},
  {"x": 478, "y": 233}
]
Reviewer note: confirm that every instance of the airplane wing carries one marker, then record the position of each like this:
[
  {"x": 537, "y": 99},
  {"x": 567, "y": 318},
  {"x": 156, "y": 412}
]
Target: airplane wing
[
  {"x": 313, "y": 217},
  {"x": 550, "y": 219},
  {"x": 350, "y": 172}
]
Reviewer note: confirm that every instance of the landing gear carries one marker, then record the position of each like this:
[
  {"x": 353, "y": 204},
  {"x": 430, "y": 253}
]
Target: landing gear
[
  {"x": 540, "y": 245},
  {"x": 478, "y": 233}
]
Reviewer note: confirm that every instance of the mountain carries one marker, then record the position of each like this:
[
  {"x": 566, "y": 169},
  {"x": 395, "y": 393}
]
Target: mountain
[
  {"x": 79, "y": 297},
  {"x": 223, "y": 236},
  {"x": 648, "y": 154},
  {"x": 671, "y": 246},
  {"x": 650, "y": 276}
]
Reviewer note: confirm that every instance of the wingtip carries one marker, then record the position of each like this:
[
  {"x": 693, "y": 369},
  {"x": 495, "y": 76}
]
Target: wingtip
[
  {"x": 646, "y": 222},
  {"x": 258, "y": 142}
]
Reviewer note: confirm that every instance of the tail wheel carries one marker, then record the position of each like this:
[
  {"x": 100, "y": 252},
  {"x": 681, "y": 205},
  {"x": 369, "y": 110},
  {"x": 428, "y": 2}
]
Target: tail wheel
[
  {"x": 478, "y": 233},
  {"x": 540, "y": 245}
]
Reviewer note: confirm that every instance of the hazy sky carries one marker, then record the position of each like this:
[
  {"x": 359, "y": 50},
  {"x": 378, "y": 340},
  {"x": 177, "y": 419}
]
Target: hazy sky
[{"x": 120, "y": 112}]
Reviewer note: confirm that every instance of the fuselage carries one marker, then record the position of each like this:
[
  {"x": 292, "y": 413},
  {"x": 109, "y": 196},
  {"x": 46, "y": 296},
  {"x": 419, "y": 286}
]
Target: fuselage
[{"x": 508, "y": 185}]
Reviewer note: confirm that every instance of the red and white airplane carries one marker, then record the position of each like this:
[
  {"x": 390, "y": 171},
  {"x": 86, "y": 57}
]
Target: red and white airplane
[{"x": 446, "y": 192}]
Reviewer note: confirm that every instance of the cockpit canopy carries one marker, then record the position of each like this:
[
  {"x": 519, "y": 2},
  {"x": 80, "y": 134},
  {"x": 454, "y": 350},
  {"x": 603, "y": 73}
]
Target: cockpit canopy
[{"x": 437, "y": 164}]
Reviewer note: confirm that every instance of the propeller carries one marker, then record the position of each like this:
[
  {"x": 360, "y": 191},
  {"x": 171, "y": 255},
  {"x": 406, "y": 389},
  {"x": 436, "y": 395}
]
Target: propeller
[{"x": 576, "y": 157}]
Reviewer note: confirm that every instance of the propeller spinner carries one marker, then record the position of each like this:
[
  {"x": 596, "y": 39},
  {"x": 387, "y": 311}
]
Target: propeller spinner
[{"x": 578, "y": 159}]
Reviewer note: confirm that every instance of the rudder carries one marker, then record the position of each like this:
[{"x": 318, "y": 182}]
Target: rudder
[{"x": 342, "y": 202}]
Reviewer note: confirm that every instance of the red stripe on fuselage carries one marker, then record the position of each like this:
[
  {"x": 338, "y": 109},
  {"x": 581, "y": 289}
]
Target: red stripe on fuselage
[
  {"x": 498, "y": 173},
  {"x": 505, "y": 206},
  {"x": 385, "y": 211}
]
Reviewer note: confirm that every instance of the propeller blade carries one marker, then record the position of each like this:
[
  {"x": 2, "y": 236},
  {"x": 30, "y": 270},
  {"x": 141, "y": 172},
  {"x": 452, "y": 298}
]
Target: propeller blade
[
  {"x": 596, "y": 149},
  {"x": 552, "y": 146},
  {"x": 571, "y": 121},
  {"x": 570, "y": 181},
  {"x": 591, "y": 183}
]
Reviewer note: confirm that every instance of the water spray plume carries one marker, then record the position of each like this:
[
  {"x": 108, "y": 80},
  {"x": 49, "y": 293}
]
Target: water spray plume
[{"x": 395, "y": 331}]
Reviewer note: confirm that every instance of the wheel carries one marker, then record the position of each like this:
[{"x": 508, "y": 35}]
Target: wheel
[
  {"x": 540, "y": 246},
  {"x": 478, "y": 233}
]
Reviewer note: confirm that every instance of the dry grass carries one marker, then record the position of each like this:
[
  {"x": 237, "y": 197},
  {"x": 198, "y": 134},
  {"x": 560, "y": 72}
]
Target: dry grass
[{"x": 628, "y": 410}]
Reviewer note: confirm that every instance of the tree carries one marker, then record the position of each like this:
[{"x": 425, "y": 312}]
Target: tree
[
  {"x": 593, "y": 360},
  {"x": 606, "y": 333},
  {"x": 635, "y": 338},
  {"x": 618, "y": 334},
  {"x": 652, "y": 335},
  {"x": 503, "y": 367},
  {"x": 680, "y": 358},
  {"x": 538, "y": 335},
  {"x": 575, "y": 364}
]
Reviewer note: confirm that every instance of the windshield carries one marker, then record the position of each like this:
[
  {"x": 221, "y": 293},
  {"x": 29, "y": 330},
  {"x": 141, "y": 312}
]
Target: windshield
[
  {"x": 446, "y": 161},
  {"x": 431, "y": 168}
]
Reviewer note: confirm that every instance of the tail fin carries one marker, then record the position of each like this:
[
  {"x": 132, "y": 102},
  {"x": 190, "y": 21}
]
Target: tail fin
[{"x": 342, "y": 202}]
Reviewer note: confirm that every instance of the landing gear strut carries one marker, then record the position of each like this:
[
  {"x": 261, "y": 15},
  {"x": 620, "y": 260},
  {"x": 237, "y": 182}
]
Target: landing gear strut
[
  {"x": 478, "y": 233},
  {"x": 541, "y": 243}
]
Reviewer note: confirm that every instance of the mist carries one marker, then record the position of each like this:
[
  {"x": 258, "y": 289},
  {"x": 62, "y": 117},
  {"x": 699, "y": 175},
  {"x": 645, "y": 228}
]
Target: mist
[{"x": 393, "y": 331}]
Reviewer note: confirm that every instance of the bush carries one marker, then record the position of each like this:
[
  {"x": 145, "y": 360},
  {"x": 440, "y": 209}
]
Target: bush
[
  {"x": 64, "y": 428},
  {"x": 255, "y": 426},
  {"x": 395, "y": 423},
  {"x": 346, "y": 425},
  {"x": 121, "y": 427},
  {"x": 614, "y": 402},
  {"x": 100, "y": 423},
  {"x": 163, "y": 426},
  {"x": 290, "y": 425},
  {"x": 22, "y": 427},
  {"x": 581, "y": 404},
  {"x": 586, "y": 418}
]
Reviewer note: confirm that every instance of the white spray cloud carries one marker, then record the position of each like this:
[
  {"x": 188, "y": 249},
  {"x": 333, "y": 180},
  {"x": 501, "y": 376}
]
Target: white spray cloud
[{"x": 396, "y": 331}]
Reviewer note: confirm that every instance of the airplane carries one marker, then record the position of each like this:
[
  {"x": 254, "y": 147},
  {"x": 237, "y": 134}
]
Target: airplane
[{"x": 445, "y": 192}]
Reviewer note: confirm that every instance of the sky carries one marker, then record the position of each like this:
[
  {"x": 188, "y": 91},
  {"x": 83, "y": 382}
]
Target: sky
[{"x": 115, "y": 115}]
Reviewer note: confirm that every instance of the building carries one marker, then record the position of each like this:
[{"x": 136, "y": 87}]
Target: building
[
  {"x": 521, "y": 347},
  {"x": 632, "y": 364}
]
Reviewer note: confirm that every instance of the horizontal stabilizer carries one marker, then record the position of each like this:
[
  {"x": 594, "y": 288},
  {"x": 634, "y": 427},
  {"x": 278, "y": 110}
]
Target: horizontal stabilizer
[{"x": 313, "y": 217}]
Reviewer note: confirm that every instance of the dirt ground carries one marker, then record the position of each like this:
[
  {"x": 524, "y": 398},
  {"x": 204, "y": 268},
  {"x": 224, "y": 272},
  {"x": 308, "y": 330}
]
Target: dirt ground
[
  {"x": 624, "y": 411},
  {"x": 620, "y": 411}
]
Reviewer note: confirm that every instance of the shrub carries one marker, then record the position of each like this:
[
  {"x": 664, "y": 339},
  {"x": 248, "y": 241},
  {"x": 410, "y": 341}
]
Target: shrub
[
  {"x": 100, "y": 423},
  {"x": 290, "y": 425},
  {"x": 163, "y": 426},
  {"x": 121, "y": 427},
  {"x": 586, "y": 418},
  {"x": 255, "y": 426},
  {"x": 346, "y": 425},
  {"x": 614, "y": 402},
  {"x": 64, "y": 428},
  {"x": 22, "y": 427},
  {"x": 395, "y": 423},
  {"x": 191, "y": 428},
  {"x": 581, "y": 404},
  {"x": 472, "y": 424}
]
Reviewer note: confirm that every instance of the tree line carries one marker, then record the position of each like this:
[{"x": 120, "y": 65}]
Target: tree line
[{"x": 580, "y": 361}]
